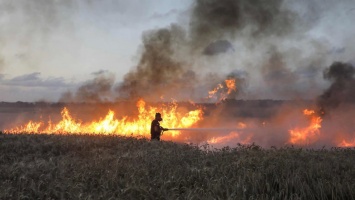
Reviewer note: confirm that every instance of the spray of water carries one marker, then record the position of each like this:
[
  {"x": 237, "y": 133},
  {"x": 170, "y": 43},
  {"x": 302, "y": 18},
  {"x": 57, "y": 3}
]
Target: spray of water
[{"x": 205, "y": 129}]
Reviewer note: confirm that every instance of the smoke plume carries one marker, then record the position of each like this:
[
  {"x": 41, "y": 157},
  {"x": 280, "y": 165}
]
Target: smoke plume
[
  {"x": 212, "y": 19},
  {"x": 271, "y": 44},
  {"x": 173, "y": 62},
  {"x": 97, "y": 90},
  {"x": 342, "y": 88},
  {"x": 158, "y": 71}
]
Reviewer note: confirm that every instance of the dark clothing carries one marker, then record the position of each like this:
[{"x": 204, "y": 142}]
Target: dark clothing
[{"x": 155, "y": 130}]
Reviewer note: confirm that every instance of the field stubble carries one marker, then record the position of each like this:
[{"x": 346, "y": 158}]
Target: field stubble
[{"x": 112, "y": 167}]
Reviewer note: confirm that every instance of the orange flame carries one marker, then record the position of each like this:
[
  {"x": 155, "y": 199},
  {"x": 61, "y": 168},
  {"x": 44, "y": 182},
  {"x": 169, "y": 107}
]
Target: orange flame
[
  {"x": 230, "y": 83},
  {"x": 110, "y": 125},
  {"x": 308, "y": 134},
  {"x": 226, "y": 138},
  {"x": 232, "y": 136},
  {"x": 345, "y": 143},
  {"x": 230, "y": 86},
  {"x": 212, "y": 93}
]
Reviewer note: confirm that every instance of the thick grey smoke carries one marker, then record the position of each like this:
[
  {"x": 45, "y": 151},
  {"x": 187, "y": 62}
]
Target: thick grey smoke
[
  {"x": 216, "y": 37},
  {"x": 173, "y": 59},
  {"x": 220, "y": 46},
  {"x": 342, "y": 88},
  {"x": 273, "y": 44},
  {"x": 212, "y": 20},
  {"x": 97, "y": 90},
  {"x": 276, "y": 73},
  {"x": 158, "y": 72}
]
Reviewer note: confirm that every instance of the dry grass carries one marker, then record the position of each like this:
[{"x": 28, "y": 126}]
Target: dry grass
[{"x": 105, "y": 167}]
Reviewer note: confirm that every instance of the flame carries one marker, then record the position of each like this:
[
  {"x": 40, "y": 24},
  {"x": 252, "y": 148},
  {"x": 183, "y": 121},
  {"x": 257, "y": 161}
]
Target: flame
[
  {"x": 140, "y": 126},
  {"x": 345, "y": 143},
  {"x": 308, "y": 134},
  {"x": 232, "y": 136},
  {"x": 230, "y": 83},
  {"x": 213, "y": 92},
  {"x": 223, "y": 139},
  {"x": 223, "y": 90}
]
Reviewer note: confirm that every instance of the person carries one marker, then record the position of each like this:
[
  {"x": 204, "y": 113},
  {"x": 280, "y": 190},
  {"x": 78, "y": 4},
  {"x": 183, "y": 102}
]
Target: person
[{"x": 155, "y": 129}]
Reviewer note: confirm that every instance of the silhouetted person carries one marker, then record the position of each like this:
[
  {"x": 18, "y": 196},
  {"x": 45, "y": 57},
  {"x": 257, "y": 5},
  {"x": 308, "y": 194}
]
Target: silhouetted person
[{"x": 155, "y": 129}]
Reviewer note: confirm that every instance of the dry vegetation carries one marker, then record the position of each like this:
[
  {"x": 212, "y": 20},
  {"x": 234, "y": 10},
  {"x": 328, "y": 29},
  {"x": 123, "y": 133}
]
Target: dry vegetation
[{"x": 105, "y": 167}]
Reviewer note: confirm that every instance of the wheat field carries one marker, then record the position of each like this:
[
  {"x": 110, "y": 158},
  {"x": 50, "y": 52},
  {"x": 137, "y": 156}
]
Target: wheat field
[{"x": 111, "y": 167}]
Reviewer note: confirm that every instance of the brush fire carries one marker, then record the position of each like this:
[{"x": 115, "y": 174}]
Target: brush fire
[
  {"x": 189, "y": 125},
  {"x": 251, "y": 71},
  {"x": 109, "y": 125}
]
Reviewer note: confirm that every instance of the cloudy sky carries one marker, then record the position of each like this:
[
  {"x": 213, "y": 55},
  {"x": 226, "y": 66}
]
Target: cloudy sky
[{"x": 49, "y": 47}]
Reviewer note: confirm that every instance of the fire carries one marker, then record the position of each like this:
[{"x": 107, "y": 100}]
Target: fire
[
  {"x": 222, "y": 91},
  {"x": 308, "y": 134},
  {"x": 223, "y": 139},
  {"x": 308, "y": 112},
  {"x": 345, "y": 143},
  {"x": 232, "y": 136},
  {"x": 139, "y": 126},
  {"x": 230, "y": 83},
  {"x": 213, "y": 92}
]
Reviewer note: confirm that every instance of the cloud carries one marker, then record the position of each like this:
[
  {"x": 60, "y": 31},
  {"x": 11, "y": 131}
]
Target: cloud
[
  {"x": 100, "y": 72},
  {"x": 35, "y": 80},
  {"x": 164, "y": 15},
  {"x": 99, "y": 89}
]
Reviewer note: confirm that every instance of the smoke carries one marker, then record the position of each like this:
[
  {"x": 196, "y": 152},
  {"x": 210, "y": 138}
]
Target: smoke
[
  {"x": 97, "y": 90},
  {"x": 275, "y": 45},
  {"x": 212, "y": 38},
  {"x": 273, "y": 50},
  {"x": 277, "y": 75},
  {"x": 220, "y": 46},
  {"x": 158, "y": 71},
  {"x": 185, "y": 62},
  {"x": 212, "y": 20},
  {"x": 342, "y": 88}
]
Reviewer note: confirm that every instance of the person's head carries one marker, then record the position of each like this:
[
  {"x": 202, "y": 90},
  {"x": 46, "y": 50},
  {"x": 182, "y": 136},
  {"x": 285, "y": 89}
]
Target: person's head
[{"x": 158, "y": 117}]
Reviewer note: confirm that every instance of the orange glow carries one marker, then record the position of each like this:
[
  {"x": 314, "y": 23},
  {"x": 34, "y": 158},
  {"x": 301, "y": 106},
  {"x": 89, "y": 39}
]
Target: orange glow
[
  {"x": 221, "y": 92},
  {"x": 139, "y": 126},
  {"x": 224, "y": 139},
  {"x": 308, "y": 112},
  {"x": 230, "y": 83},
  {"x": 345, "y": 143},
  {"x": 230, "y": 137},
  {"x": 213, "y": 92},
  {"x": 309, "y": 134}
]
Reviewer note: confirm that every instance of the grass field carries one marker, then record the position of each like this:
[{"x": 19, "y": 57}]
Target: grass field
[{"x": 107, "y": 167}]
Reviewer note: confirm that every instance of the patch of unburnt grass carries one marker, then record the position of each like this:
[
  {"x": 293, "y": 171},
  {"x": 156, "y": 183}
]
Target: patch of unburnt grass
[{"x": 104, "y": 167}]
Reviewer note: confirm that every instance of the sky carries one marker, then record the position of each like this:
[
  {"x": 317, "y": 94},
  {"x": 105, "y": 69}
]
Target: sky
[{"x": 50, "y": 47}]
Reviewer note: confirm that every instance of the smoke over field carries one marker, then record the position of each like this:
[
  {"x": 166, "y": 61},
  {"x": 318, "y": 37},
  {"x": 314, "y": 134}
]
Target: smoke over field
[{"x": 218, "y": 71}]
